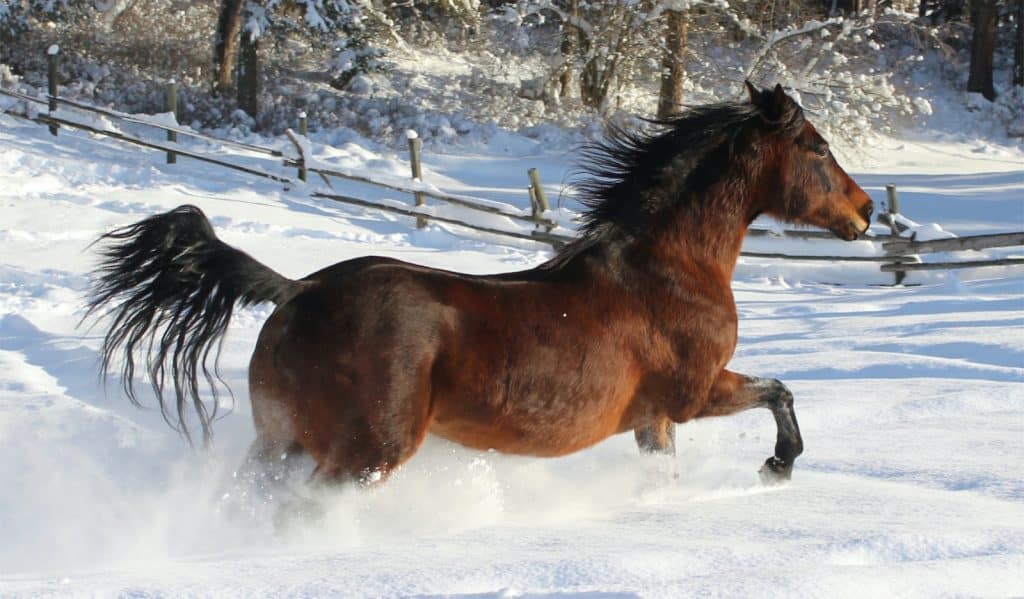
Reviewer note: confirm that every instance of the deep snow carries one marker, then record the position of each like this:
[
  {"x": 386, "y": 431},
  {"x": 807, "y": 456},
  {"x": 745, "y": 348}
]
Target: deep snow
[{"x": 910, "y": 399}]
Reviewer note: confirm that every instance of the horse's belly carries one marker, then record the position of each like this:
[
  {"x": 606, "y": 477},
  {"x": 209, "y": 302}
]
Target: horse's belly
[
  {"x": 514, "y": 442},
  {"x": 546, "y": 431}
]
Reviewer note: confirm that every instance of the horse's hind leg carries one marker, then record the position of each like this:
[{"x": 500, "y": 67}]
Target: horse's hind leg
[
  {"x": 368, "y": 453},
  {"x": 369, "y": 425},
  {"x": 269, "y": 463},
  {"x": 658, "y": 438},
  {"x": 733, "y": 393}
]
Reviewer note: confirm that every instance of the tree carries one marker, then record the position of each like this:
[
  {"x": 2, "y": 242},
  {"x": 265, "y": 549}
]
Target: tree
[
  {"x": 571, "y": 39},
  {"x": 112, "y": 9},
  {"x": 1018, "y": 44},
  {"x": 673, "y": 65},
  {"x": 241, "y": 24},
  {"x": 249, "y": 73},
  {"x": 939, "y": 11},
  {"x": 229, "y": 27},
  {"x": 983, "y": 15},
  {"x": 851, "y": 6},
  {"x": 614, "y": 35},
  {"x": 18, "y": 15}
]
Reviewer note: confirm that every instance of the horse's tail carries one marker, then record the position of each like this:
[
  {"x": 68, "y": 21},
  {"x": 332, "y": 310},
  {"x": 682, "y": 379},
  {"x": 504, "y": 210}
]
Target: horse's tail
[{"x": 171, "y": 286}]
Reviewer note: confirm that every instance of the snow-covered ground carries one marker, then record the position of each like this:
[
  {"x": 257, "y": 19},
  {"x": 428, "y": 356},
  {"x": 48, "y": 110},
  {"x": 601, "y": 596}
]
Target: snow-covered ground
[{"x": 911, "y": 401}]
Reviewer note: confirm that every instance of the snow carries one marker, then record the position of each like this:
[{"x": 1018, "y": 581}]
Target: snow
[{"x": 910, "y": 400}]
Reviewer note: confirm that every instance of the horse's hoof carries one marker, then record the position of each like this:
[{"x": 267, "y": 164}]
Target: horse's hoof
[
  {"x": 298, "y": 510},
  {"x": 775, "y": 472}
]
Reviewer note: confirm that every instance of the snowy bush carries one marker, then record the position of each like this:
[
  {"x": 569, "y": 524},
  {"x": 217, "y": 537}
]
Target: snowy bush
[
  {"x": 839, "y": 70},
  {"x": 354, "y": 54},
  {"x": 17, "y": 16}
]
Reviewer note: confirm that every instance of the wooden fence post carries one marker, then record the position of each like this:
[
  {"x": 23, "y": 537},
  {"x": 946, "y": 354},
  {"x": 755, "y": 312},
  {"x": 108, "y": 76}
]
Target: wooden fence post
[
  {"x": 894, "y": 206},
  {"x": 172, "y": 107},
  {"x": 301, "y": 150},
  {"x": 538, "y": 190},
  {"x": 51, "y": 79},
  {"x": 892, "y": 211},
  {"x": 415, "y": 145},
  {"x": 303, "y": 131},
  {"x": 535, "y": 210}
]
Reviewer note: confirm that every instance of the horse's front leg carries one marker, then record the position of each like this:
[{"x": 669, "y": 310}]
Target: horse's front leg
[
  {"x": 733, "y": 393},
  {"x": 658, "y": 438}
]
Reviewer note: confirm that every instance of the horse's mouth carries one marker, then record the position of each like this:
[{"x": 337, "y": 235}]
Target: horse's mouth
[{"x": 851, "y": 230}]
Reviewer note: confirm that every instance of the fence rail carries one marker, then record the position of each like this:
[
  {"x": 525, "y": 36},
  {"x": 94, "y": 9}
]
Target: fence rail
[
  {"x": 123, "y": 116},
  {"x": 900, "y": 254},
  {"x": 52, "y": 121},
  {"x": 411, "y": 190},
  {"x": 905, "y": 266},
  {"x": 955, "y": 244},
  {"x": 553, "y": 239}
]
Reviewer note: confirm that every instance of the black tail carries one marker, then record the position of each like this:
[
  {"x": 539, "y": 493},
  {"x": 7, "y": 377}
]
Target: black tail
[{"x": 171, "y": 286}]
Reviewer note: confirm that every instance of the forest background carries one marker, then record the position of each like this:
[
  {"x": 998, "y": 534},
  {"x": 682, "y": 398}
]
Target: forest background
[{"x": 252, "y": 65}]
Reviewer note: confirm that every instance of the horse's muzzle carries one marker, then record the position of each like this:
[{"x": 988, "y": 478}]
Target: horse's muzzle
[{"x": 852, "y": 229}]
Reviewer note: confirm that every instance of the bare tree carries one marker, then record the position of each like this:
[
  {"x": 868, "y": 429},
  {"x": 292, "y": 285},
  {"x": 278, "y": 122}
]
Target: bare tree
[
  {"x": 673, "y": 64},
  {"x": 983, "y": 14},
  {"x": 613, "y": 43}
]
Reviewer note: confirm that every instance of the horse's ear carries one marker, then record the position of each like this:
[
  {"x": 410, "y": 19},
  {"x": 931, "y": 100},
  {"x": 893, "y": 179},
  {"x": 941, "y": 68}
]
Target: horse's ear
[
  {"x": 752, "y": 91},
  {"x": 779, "y": 97},
  {"x": 775, "y": 105}
]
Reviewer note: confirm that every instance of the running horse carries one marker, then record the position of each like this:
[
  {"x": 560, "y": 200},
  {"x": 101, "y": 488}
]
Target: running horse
[{"x": 628, "y": 328}]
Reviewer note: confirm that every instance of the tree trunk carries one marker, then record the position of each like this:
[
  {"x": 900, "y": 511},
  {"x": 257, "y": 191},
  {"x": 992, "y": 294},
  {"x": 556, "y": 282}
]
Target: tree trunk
[
  {"x": 596, "y": 79},
  {"x": 853, "y": 6},
  {"x": 229, "y": 27},
  {"x": 1018, "y": 45},
  {"x": 570, "y": 49},
  {"x": 673, "y": 64},
  {"x": 249, "y": 75},
  {"x": 983, "y": 48}
]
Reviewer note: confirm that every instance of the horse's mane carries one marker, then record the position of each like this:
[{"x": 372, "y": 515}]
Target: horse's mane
[{"x": 616, "y": 175}]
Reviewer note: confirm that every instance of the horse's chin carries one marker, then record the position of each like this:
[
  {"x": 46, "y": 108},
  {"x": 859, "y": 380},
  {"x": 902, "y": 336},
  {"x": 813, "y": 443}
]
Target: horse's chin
[
  {"x": 850, "y": 231},
  {"x": 845, "y": 233}
]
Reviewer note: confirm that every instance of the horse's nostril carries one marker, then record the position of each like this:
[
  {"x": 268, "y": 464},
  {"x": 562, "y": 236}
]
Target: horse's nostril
[{"x": 869, "y": 209}]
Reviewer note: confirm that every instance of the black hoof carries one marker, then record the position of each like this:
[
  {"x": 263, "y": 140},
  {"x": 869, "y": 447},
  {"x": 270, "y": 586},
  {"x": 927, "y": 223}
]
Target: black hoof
[{"x": 775, "y": 471}]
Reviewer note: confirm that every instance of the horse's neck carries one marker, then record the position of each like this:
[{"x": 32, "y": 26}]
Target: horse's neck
[
  {"x": 707, "y": 235},
  {"x": 700, "y": 235},
  {"x": 679, "y": 255}
]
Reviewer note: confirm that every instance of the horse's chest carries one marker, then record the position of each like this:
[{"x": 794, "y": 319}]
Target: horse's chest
[{"x": 692, "y": 348}]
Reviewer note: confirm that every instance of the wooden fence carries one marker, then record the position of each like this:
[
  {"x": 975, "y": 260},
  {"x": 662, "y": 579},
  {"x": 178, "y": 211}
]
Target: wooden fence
[
  {"x": 911, "y": 247},
  {"x": 900, "y": 254}
]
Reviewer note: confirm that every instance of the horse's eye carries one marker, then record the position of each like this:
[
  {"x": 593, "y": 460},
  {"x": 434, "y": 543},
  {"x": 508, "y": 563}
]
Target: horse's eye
[{"x": 821, "y": 151}]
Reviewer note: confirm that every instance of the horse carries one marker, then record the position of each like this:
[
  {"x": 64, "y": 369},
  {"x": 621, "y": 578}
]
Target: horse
[{"x": 628, "y": 328}]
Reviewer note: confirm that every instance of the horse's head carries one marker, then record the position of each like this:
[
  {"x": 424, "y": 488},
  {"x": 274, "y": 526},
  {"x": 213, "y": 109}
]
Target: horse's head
[{"x": 806, "y": 184}]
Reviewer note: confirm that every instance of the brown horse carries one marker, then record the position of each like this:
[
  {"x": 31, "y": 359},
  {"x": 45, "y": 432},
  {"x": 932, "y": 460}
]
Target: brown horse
[{"x": 628, "y": 328}]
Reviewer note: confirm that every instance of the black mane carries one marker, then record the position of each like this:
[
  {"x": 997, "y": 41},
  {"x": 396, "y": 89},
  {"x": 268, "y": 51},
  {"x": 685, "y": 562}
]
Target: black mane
[{"x": 623, "y": 181}]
